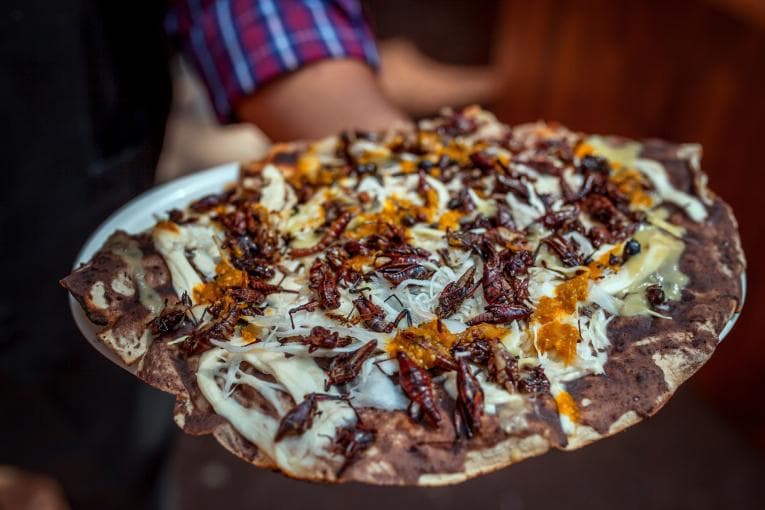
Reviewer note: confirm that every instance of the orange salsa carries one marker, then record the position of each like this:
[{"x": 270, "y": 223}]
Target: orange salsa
[
  {"x": 554, "y": 335},
  {"x": 226, "y": 276},
  {"x": 428, "y": 341},
  {"x": 567, "y": 406}
]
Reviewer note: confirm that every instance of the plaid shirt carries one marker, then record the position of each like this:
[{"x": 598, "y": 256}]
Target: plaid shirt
[{"x": 238, "y": 45}]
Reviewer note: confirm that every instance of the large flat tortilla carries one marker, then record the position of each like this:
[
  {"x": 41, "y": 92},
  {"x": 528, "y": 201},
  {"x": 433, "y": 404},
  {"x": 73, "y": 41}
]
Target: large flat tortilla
[{"x": 647, "y": 359}]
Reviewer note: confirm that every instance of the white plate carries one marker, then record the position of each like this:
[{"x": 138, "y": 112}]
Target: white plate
[
  {"x": 141, "y": 213},
  {"x": 735, "y": 315}
]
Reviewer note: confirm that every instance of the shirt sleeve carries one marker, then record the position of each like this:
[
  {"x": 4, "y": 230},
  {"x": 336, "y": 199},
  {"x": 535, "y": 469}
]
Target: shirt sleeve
[{"x": 238, "y": 45}]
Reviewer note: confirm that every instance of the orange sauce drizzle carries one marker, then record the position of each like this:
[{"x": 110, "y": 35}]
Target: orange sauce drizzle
[
  {"x": 457, "y": 152},
  {"x": 250, "y": 333},
  {"x": 167, "y": 225},
  {"x": 559, "y": 337},
  {"x": 394, "y": 211},
  {"x": 226, "y": 276},
  {"x": 424, "y": 343},
  {"x": 567, "y": 406},
  {"x": 633, "y": 184},
  {"x": 605, "y": 260},
  {"x": 310, "y": 171},
  {"x": 583, "y": 149},
  {"x": 449, "y": 220},
  {"x": 429, "y": 141},
  {"x": 555, "y": 336},
  {"x": 628, "y": 180},
  {"x": 361, "y": 262},
  {"x": 408, "y": 166}
]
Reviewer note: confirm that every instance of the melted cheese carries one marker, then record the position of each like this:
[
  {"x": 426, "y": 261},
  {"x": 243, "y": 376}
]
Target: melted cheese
[
  {"x": 374, "y": 388},
  {"x": 305, "y": 455},
  {"x": 275, "y": 195},
  {"x": 658, "y": 218},
  {"x": 657, "y": 263},
  {"x": 627, "y": 155},
  {"x": 172, "y": 246},
  {"x": 624, "y": 153},
  {"x": 308, "y": 217},
  {"x": 668, "y": 193},
  {"x": 666, "y": 274},
  {"x": 98, "y": 295},
  {"x": 121, "y": 284},
  {"x": 523, "y": 213},
  {"x": 487, "y": 208},
  {"x": 494, "y": 396},
  {"x": 132, "y": 256},
  {"x": 130, "y": 344}
]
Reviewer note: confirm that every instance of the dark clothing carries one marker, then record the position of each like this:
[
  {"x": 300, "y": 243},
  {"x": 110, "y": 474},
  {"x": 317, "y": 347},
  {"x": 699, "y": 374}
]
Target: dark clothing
[{"x": 84, "y": 93}]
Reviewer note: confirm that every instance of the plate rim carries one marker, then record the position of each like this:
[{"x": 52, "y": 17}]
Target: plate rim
[
  {"x": 173, "y": 185},
  {"x": 179, "y": 187}
]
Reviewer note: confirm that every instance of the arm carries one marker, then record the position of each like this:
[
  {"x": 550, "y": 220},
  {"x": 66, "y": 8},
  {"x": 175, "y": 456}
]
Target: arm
[
  {"x": 318, "y": 100},
  {"x": 296, "y": 69}
]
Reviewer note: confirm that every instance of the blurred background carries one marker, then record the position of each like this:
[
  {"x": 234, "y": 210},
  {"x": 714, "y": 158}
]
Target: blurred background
[{"x": 683, "y": 70}]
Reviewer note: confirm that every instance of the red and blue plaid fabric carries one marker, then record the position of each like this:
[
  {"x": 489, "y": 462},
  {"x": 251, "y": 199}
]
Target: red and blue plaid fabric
[{"x": 238, "y": 45}]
